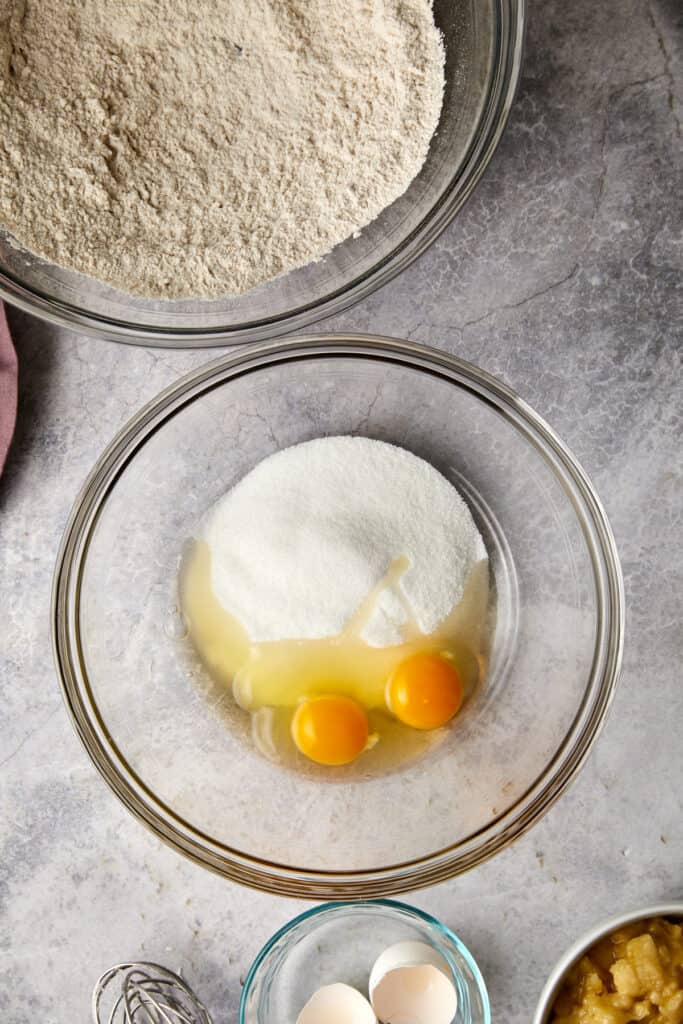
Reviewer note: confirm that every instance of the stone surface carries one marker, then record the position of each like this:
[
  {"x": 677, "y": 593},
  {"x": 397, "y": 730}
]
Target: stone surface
[{"x": 563, "y": 276}]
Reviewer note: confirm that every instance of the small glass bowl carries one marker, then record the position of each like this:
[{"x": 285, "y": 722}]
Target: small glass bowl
[
  {"x": 483, "y": 41},
  {"x": 551, "y": 989},
  {"x": 153, "y": 720},
  {"x": 340, "y": 942}
]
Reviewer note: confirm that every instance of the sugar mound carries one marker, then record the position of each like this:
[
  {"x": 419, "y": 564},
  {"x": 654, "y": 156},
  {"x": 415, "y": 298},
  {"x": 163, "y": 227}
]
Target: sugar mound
[{"x": 299, "y": 543}]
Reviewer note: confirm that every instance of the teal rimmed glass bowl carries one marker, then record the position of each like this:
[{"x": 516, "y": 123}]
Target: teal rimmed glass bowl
[{"x": 340, "y": 942}]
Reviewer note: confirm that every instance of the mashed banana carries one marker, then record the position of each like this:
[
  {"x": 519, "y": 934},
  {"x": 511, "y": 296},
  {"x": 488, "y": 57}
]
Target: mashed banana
[{"x": 634, "y": 974}]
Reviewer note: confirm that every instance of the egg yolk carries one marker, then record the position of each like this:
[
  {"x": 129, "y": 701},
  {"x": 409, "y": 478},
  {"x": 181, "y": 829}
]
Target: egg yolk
[
  {"x": 330, "y": 730},
  {"x": 424, "y": 691}
]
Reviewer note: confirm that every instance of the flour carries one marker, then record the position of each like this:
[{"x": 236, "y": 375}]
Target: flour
[
  {"x": 302, "y": 540},
  {"x": 176, "y": 148}
]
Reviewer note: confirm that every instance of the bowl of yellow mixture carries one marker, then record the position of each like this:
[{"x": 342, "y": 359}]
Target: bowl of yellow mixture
[{"x": 626, "y": 969}]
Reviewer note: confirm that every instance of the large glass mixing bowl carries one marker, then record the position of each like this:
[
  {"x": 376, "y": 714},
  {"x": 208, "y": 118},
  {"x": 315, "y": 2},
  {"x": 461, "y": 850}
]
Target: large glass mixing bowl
[
  {"x": 154, "y": 723},
  {"x": 483, "y": 63}
]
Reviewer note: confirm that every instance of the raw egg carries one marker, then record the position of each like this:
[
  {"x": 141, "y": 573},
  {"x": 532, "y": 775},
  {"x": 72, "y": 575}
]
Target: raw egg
[
  {"x": 425, "y": 691},
  {"x": 329, "y": 698},
  {"x": 330, "y": 730}
]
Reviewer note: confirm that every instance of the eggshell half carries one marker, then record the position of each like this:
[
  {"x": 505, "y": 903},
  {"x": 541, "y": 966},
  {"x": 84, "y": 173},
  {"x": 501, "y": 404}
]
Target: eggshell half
[
  {"x": 337, "y": 1004},
  {"x": 406, "y": 954},
  {"x": 417, "y": 994}
]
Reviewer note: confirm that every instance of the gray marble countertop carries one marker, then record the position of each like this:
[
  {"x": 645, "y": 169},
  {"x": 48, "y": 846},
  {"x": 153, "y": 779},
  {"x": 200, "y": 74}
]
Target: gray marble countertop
[{"x": 563, "y": 277}]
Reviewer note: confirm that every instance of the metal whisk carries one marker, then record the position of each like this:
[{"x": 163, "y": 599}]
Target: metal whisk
[{"x": 144, "y": 993}]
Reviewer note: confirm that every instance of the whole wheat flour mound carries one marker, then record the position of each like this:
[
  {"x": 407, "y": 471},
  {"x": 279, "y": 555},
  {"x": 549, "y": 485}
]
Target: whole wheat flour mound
[{"x": 177, "y": 148}]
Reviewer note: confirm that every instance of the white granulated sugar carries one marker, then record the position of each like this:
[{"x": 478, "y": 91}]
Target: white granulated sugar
[
  {"x": 301, "y": 541},
  {"x": 178, "y": 148}
]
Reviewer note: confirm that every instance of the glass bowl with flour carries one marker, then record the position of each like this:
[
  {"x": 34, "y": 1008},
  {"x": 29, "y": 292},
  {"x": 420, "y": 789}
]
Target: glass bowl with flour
[
  {"x": 201, "y": 462},
  {"x": 184, "y": 172},
  {"x": 340, "y": 592}
]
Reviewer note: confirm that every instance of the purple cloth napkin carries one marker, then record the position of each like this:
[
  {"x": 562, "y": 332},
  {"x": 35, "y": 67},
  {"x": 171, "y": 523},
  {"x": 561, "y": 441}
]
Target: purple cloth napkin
[{"x": 8, "y": 387}]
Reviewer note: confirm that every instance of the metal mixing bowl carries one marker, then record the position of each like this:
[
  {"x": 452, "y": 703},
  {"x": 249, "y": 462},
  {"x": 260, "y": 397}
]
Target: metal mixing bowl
[
  {"x": 551, "y": 990},
  {"x": 483, "y": 63}
]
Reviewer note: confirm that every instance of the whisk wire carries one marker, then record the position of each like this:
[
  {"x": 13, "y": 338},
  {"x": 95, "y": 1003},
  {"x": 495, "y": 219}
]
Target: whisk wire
[
  {"x": 146, "y": 1001},
  {"x": 146, "y": 993}
]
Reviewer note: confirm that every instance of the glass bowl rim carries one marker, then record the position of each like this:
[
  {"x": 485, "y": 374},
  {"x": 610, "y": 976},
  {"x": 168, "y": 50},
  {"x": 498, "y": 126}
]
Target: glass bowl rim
[
  {"x": 249, "y": 869},
  {"x": 600, "y": 930},
  {"x": 334, "y": 906},
  {"x": 509, "y": 37}
]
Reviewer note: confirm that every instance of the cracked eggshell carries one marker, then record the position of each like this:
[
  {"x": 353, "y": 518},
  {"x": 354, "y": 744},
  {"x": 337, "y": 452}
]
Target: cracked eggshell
[
  {"x": 406, "y": 954},
  {"x": 417, "y": 994},
  {"x": 337, "y": 1004},
  {"x": 411, "y": 983}
]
